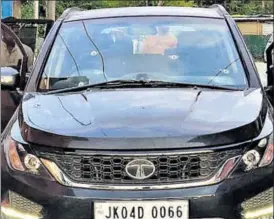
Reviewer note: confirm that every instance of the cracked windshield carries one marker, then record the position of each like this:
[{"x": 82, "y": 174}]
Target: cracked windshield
[{"x": 170, "y": 49}]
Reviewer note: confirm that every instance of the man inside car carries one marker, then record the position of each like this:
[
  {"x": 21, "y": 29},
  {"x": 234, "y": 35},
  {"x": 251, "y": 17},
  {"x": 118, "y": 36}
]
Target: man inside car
[{"x": 157, "y": 44}]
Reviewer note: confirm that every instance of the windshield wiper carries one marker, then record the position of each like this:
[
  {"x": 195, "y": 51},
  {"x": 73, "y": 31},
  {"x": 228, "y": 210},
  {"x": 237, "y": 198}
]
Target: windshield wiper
[
  {"x": 105, "y": 84},
  {"x": 222, "y": 70},
  {"x": 140, "y": 83}
]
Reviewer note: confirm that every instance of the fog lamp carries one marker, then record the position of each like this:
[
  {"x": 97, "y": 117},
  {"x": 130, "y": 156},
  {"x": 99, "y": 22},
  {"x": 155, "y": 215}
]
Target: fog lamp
[
  {"x": 10, "y": 213},
  {"x": 15, "y": 206},
  {"x": 251, "y": 159},
  {"x": 261, "y": 213}
]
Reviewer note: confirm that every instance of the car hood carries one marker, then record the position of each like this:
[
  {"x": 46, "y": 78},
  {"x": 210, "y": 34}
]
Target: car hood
[{"x": 142, "y": 118}]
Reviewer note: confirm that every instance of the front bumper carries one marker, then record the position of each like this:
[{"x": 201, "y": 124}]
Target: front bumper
[{"x": 222, "y": 200}]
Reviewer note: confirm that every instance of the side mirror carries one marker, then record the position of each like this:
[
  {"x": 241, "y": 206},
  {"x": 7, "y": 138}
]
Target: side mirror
[{"x": 10, "y": 78}]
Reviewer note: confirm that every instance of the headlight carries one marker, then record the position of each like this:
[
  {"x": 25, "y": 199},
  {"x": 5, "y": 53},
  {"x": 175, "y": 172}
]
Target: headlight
[
  {"x": 18, "y": 158},
  {"x": 268, "y": 154},
  {"x": 259, "y": 156}
]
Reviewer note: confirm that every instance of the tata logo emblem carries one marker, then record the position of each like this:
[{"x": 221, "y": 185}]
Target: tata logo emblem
[{"x": 140, "y": 169}]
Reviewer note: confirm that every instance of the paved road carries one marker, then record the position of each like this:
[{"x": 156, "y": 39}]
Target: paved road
[{"x": 261, "y": 66}]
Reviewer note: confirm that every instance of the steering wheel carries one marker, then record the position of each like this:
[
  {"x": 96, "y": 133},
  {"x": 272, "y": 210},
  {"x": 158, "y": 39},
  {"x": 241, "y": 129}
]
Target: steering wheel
[{"x": 87, "y": 76}]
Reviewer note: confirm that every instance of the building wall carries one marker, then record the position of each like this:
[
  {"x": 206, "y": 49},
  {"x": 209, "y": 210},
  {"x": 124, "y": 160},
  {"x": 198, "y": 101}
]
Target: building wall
[
  {"x": 250, "y": 28},
  {"x": 255, "y": 28},
  {"x": 7, "y": 8}
]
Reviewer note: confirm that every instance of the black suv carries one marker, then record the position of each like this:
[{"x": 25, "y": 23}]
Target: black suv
[{"x": 138, "y": 113}]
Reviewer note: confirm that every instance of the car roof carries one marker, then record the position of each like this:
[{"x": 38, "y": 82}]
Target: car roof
[{"x": 142, "y": 11}]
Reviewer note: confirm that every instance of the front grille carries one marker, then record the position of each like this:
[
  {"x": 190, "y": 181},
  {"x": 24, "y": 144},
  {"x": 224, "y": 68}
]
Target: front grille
[{"x": 111, "y": 168}]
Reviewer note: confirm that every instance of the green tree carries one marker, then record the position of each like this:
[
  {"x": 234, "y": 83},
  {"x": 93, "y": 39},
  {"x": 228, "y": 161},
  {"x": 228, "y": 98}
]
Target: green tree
[
  {"x": 88, "y": 5},
  {"x": 180, "y": 3},
  {"x": 27, "y": 10},
  {"x": 242, "y": 7},
  {"x": 250, "y": 7}
]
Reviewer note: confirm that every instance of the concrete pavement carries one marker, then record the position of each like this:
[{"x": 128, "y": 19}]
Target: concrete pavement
[{"x": 261, "y": 66}]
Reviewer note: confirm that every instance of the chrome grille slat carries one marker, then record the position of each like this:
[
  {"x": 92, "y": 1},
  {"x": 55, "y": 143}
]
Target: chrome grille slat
[{"x": 169, "y": 168}]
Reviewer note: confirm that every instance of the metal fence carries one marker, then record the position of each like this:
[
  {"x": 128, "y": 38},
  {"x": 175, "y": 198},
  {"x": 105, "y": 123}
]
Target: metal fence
[
  {"x": 256, "y": 32},
  {"x": 256, "y": 45}
]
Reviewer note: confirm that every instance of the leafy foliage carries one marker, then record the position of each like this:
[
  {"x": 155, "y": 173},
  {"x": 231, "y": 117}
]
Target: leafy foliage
[
  {"x": 241, "y": 7},
  {"x": 61, "y": 5},
  {"x": 251, "y": 7},
  {"x": 27, "y": 10},
  {"x": 180, "y": 3}
]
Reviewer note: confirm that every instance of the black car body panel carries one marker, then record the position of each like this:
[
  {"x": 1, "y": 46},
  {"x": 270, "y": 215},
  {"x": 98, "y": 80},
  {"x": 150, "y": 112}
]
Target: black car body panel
[{"x": 143, "y": 116}]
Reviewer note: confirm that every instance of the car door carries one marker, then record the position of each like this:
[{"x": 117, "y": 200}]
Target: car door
[
  {"x": 270, "y": 73},
  {"x": 13, "y": 72},
  {"x": 30, "y": 34},
  {"x": 267, "y": 45}
]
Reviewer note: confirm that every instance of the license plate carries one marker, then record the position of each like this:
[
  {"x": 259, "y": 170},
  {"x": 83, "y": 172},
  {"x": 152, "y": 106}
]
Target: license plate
[{"x": 169, "y": 209}]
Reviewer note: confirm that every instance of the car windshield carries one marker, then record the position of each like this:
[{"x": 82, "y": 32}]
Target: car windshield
[{"x": 170, "y": 49}]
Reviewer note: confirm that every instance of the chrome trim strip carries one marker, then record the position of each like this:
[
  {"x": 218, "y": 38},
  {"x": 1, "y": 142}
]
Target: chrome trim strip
[
  {"x": 151, "y": 152},
  {"x": 62, "y": 178},
  {"x": 137, "y": 154}
]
